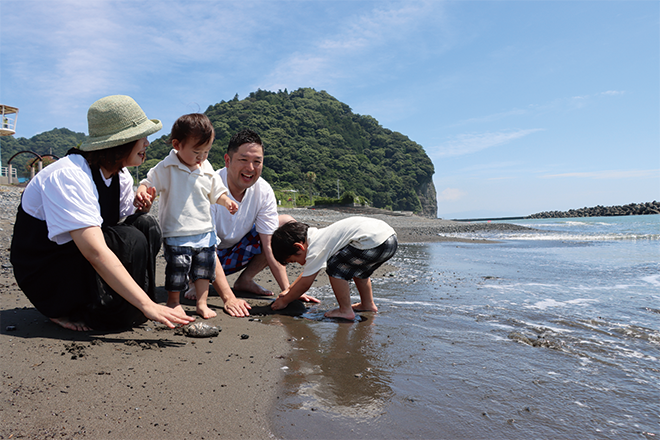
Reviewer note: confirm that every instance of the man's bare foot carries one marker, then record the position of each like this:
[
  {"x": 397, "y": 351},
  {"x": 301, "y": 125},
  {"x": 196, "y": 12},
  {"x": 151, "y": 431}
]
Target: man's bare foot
[
  {"x": 191, "y": 293},
  {"x": 205, "y": 312},
  {"x": 252, "y": 287},
  {"x": 358, "y": 307},
  {"x": 71, "y": 325},
  {"x": 337, "y": 313}
]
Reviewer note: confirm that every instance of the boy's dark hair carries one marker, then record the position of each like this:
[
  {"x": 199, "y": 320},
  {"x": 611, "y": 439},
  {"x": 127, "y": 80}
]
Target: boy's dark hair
[
  {"x": 285, "y": 237},
  {"x": 245, "y": 136},
  {"x": 193, "y": 126}
]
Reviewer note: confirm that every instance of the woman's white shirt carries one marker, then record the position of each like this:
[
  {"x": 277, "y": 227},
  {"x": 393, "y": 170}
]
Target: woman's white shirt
[{"x": 64, "y": 195}]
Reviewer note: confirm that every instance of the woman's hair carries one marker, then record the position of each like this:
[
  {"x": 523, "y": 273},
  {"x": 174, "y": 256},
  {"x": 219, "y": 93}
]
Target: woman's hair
[
  {"x": 193, "y": 126},
  {"x": 284, "y": 238},
  {"x": 111, "y": 159}
]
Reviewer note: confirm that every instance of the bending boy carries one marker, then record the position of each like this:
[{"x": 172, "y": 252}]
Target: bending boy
[{"x": 352, "y": 248}]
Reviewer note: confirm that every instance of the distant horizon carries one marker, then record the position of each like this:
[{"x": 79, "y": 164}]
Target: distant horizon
[{"x": 522, "y": 106}]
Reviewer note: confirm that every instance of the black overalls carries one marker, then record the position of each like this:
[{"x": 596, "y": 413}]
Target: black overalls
[{"x": 60, "y": 282}]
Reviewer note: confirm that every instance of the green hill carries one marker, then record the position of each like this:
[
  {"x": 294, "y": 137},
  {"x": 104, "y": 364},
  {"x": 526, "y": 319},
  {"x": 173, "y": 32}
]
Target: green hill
[{"x": 306, "y": 131}]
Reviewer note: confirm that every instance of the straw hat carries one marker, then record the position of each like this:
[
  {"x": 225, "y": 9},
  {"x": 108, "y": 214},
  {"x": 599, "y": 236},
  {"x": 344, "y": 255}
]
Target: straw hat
[{"x": 116, "y": 120}]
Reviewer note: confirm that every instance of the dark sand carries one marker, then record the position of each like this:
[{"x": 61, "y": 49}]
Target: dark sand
[{"x": 152, "y": 382}]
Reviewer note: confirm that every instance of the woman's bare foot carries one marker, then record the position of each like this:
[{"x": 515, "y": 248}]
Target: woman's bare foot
[
  {"x": 251, "y": 287},
  {"x": 205, "y": 312},
  {"x": 358, "y": 307},
  {"x": 337, "y": 313},
  {"x": 71, "y": 325}
]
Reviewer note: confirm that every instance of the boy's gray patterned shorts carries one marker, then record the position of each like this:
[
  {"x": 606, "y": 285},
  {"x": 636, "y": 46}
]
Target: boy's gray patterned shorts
[
  {"x": 186, "y": 263},
  {"x": 350, "y": 262}
]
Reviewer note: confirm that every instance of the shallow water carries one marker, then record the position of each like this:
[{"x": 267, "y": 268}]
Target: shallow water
[{"x": 547, "y": 334}]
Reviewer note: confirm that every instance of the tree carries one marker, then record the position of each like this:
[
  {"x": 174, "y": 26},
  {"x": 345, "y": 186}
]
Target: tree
[{"x": 311, "y": 178}]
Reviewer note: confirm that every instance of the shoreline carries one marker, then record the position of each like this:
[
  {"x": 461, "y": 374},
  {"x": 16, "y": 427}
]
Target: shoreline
[{"x": 152, "y": 382}]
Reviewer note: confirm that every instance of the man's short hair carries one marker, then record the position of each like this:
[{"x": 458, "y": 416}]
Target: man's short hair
[
  {"x": 284, "y": 239},
  {"x": 245, "y": 136}
]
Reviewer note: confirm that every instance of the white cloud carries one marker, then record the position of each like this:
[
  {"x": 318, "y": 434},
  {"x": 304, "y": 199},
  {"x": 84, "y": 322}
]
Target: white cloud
[
  {"x": 613, "y": 92},
  {"x": 610, "y": 174},
  {"x": 342, "y": 54},
  {"x": 451, "y": 195},
  {"x": 471, "y": 143}
]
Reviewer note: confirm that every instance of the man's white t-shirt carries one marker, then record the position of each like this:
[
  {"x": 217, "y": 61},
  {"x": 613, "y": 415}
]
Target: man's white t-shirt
[
  {"x": 359, "y": 232},
  {"x": 258, "y": 207},
  {"x": 64, "y": 195}
]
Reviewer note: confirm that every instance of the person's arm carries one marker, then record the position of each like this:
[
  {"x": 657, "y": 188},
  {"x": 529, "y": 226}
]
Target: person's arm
[
  {"x": 228, "y": 203},
  {"x": 278, "y": 271},
  {"x": 91, "y": 243},
  {"x": 296, "y": 291},
  {"x": 234, "y": 306}
]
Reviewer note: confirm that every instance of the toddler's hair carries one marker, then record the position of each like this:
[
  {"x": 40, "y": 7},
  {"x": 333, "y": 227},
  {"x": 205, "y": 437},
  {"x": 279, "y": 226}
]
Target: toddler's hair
[
  {"x": 193, "y": 126},
  {"x": 285, "y": 237},
  {"x": 245, "y": 136}
]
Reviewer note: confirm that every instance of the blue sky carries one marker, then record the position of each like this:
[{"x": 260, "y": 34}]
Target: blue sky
[{"x": 523, "y": 106}]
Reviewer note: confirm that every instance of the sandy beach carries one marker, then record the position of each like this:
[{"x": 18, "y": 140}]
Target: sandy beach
[{"x": 152, "y": 382}]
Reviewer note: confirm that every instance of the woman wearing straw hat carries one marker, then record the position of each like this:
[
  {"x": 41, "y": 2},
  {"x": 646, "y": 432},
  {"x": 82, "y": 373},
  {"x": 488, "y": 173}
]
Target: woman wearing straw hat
[{"x": 73, "y": 257}]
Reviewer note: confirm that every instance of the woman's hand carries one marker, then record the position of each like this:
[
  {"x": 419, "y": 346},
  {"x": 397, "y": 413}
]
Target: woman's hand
[
  {"x": 166, "y": 315},
  {"x": 144, "y": 198}
]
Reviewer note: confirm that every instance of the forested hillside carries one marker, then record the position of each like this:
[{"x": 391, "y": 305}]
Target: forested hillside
[{"x": 314, "y": 142}]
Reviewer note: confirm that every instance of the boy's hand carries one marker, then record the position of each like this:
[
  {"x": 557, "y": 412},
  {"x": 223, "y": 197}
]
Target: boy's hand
[
  {"x": 144, "y": 198},
  {"x": 308, "y": 298},
  {"x": 280, "y": 303},
  {"x": 231, "y": 206},
  {"x": 228, "y": 203}
]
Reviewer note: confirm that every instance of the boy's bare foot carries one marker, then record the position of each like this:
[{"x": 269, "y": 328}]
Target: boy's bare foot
[
  {"x": 358, "y": 307},
  {"x": 191, "y": 293},
  {"x": 337, "y": 313},
  {"x": 205, "y": 312},
  {"x": 71, "y": 325},
  {"x": 252, "y": 287}
]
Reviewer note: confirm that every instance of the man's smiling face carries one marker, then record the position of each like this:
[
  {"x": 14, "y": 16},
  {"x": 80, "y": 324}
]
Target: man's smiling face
[{"x": 244, "y": 168}]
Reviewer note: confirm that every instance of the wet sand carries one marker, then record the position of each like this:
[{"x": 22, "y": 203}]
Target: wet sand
[{"x": 152, "y": 382}]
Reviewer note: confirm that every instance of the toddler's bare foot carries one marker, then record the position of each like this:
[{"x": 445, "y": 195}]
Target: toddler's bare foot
[
  {"x": 191, "y": 293},
  {"x": 205, "y": 312},
  {"x": 71, "y": 325},
  {"x": 252, "y": 287},
  {"x": 358, "y": 307},
  {"x": 337, "y": 313}
]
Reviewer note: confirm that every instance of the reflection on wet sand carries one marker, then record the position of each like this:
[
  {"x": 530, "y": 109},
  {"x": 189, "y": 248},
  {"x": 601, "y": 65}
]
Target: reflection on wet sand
[{"x": 335, "y": 367}]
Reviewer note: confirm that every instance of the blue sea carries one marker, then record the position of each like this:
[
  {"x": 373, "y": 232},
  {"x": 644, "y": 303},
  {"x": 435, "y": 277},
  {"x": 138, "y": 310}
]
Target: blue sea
[{"x": 552, "y": 333}]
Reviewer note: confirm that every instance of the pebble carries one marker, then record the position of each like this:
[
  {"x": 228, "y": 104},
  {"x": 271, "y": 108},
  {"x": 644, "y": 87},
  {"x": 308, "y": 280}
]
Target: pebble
[{"x": 201, "y": 330}]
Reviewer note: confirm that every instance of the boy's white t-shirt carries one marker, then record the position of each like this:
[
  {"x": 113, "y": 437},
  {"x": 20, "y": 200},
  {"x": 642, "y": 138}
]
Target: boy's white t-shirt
[
  {"x": 258, "y": 207},
  {"x": 64, "y": 195},
  {"x": 359, "y": 232}
]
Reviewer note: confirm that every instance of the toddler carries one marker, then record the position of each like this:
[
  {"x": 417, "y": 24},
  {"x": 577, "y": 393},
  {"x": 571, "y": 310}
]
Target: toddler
[{"x": 188, "y": 186}]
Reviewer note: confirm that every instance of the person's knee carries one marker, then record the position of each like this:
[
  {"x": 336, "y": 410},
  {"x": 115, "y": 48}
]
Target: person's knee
[{"x": 285, "y": 218}]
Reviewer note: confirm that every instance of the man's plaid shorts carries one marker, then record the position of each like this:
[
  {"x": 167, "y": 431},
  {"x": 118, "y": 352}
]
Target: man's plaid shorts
[{"x": 238, "y": 256}]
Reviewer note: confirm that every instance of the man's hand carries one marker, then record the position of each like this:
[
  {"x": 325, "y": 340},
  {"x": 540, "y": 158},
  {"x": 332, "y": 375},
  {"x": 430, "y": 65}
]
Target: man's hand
[{"x": 237, "y": 308}]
